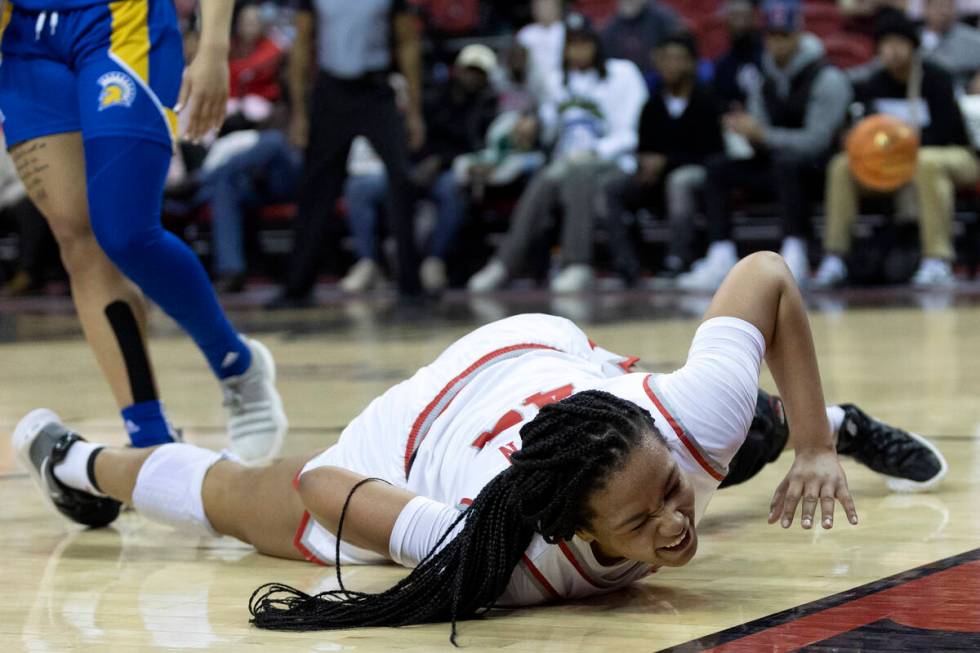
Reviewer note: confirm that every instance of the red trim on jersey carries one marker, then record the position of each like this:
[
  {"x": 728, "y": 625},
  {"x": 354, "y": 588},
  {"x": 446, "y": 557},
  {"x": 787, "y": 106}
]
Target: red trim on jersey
[
  {"x": 575, "y": 563},
  {"x": 592, "y": 343},
  {"x": 627, "y": 364},
  {"x": 298, "y": 542},
  {"x": 538, "y": 576},
  {"x": 420, "y": 420},
  {"x": 681, "y": 435}
]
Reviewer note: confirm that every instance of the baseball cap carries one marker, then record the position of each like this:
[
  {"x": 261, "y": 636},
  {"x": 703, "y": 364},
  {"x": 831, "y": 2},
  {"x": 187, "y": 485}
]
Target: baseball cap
[
  {"x": 783, "y": 16},
  {"x": 477, "y": 56}
]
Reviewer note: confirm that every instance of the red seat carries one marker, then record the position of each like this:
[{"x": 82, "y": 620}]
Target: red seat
[{"x": 847, "y": 50}]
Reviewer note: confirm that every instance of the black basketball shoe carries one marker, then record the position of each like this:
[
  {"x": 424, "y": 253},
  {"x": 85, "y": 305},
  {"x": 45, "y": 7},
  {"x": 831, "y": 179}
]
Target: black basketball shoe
[
  {"x": 911, "y": 463},
  {"x": 41, "y": 442}
]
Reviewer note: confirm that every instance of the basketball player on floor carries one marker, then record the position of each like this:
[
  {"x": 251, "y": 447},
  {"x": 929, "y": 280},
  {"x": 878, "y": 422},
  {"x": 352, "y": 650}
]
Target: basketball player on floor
[
  {"x": 88, "y": 91},
  {"x": 524, "y": 465}
]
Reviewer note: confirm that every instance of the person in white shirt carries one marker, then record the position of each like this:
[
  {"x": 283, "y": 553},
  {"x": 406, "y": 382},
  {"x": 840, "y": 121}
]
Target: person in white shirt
[
  {"x": 591, "y": 117},
  {"x": 544, "y": 40},
  {"x": 524, "y": 465}
]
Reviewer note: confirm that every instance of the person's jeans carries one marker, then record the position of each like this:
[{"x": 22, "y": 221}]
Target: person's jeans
[
  {"x": 268, "y": 172},
  {"x": 366, "y": 194}
]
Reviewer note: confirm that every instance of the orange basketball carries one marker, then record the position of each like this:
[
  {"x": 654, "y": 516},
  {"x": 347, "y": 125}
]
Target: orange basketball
[{"x": 882, "y": 152}]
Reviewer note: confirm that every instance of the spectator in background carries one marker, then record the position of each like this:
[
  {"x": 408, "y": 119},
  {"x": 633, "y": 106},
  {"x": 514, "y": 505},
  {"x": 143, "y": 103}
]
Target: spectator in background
[
  {"x": 792, "y": 124},
  {"x": 254, "y": 67},
  {"x": 263, "y": 169},
  {"x": 680, "y": 127},
  {"x": 739, "y": 69},
  {"x": 921, "y": 93},
  {"x": 358, "y": 46},
  {"x": 592, "y": 115},
  {"x": 364, "y": 193},
  {"x": 458, "y": 114},
  {"x": 637, "y": 28},
  {"x": 544, "y": 41},
  {"x": 950, "y": 43}
]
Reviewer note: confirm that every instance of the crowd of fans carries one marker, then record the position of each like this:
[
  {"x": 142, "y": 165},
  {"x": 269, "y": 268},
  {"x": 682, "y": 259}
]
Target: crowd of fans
[{"x": 487, "y": 141}]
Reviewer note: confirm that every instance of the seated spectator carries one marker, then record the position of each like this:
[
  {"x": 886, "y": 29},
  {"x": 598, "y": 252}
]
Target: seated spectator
[
  {"x": 364, "y": 193},
  {"x": 950, "y": 43},
  {"x": 637, "y": 28},
  {"x": 544, "y": 41},
  {"x": 680, "y": 127},
  {"x": 945, "y": 160},
  {"x": 254, "y": 66},
  {"x": 792, "y": 124},
  {"x": 459, "y": 113},
  {"x": 592, "y": 118},
  {"x": 244, "y": 171},
  {"x": 738, "y": 70}
]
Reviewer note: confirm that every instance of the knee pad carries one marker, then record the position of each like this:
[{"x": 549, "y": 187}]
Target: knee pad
[{"x": 168, "y": 488}]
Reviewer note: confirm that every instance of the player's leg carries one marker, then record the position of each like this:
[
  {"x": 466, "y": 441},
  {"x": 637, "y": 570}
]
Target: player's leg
[
  {"x": 41, "y": 125},
  {"x": 128, "y": 131},
  {"x": 109, "y": 306},
  {"x": 192, "y": 489},
  {"x": 909, "y": 461}
]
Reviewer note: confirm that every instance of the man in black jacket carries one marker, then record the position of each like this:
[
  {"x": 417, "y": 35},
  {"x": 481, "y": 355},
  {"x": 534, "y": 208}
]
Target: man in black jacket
[
  {"x": 788, "y": 130},
  {"x": 922, "y": 94},
  {"x": 680, "y": 127}
]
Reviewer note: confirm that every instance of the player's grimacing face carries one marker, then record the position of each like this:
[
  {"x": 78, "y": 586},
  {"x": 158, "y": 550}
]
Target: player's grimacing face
[{"x": 645, "y": 511}]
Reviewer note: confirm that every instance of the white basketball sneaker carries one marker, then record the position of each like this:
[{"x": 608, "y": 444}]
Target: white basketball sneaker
[{"x": 256, "y": 420}]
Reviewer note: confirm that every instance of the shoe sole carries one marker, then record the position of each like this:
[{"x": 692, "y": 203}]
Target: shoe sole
[
  {"x": 278, "y": 412},
  {"x": 23, "y": 438},
  {"x": 907, "y": 486}
]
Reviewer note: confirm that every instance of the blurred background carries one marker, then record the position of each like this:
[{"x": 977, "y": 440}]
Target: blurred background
[{"x": 571, "y": 147}]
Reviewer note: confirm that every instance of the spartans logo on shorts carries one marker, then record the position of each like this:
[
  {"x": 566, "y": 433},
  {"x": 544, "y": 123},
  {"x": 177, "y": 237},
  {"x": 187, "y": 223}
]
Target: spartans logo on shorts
[{"x": 118, "y": 90}]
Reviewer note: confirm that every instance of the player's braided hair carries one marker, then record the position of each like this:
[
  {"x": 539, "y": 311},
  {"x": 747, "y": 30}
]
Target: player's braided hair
[{"x": 567, "y": 453}]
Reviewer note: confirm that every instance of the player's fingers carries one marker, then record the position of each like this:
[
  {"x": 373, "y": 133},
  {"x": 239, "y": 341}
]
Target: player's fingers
[
  {"x": 197, "y": 124},
  {"x": 827, "y": 506},
  {"x": 793, "y": 495},
  {"x": 185, "y": 89},
  {"x": 811, "y": 497},
  {"x": 844, "y": 496},
  {"x": 777, "y": 502}
]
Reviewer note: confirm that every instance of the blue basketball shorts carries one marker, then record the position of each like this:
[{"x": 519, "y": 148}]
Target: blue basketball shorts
[{"x": 110, "y": 69}]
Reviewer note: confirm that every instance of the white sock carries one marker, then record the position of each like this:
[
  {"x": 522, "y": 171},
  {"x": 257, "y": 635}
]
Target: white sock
[
  {"x": 73, "y": 471},
  {"x": 835, "y": 415}
]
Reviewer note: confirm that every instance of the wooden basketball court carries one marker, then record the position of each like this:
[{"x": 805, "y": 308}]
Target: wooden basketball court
[{"x": 913, "y": 360}]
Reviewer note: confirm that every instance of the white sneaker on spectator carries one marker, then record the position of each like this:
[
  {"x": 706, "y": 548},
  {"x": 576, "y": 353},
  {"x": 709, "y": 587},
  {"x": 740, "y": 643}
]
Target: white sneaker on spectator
[
  {"x": 709, "y": 272},
  {"x": 493, "y": 275},
  {"x": 831, "y": 273},
  {"x": 794, "y": 253},
  {"x": 934, "y": 272},
  {"x": 362, "y": 277},
  {"x": 433, "y": 274},
  {"x": 574, "y": 278}
]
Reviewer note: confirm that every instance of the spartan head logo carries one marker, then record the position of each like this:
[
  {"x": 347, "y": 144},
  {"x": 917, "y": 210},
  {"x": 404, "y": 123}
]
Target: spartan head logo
[{"x": 118, "y": 90}]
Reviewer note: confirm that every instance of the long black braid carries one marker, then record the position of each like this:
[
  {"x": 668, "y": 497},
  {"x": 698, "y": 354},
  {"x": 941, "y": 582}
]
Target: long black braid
[{"x": 567, "y": 453}]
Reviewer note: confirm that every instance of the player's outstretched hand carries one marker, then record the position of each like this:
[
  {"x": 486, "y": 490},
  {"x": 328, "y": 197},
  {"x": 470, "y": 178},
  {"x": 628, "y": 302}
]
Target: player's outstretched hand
[
  {"x": 815, "y": 478},
  {"x": 204, "y": 92}
]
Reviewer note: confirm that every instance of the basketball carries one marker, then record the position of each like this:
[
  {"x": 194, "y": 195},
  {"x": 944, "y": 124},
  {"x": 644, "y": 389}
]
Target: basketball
[{"x": 882, "y": 152}]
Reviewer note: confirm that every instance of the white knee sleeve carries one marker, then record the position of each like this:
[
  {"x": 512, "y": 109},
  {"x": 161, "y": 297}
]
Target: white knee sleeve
[{"x": 168, "y": 487}]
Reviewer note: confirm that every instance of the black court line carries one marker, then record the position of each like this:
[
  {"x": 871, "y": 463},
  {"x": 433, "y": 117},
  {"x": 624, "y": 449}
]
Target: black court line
[{"x": 792, "y": 614}]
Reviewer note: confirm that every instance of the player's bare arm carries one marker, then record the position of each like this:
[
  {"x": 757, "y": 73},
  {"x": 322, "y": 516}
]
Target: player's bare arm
[
  {"x": 761, "y": 290},
  {"x": 371, "y": 512}
]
